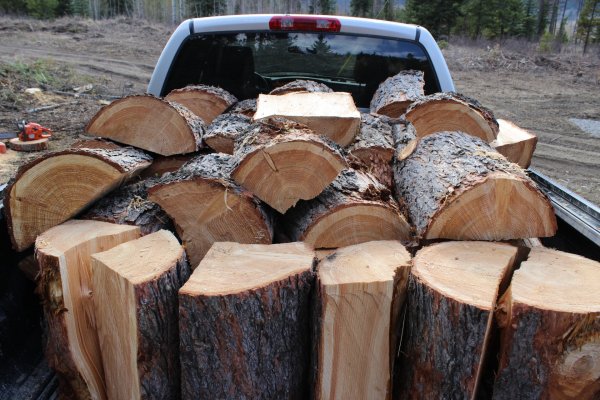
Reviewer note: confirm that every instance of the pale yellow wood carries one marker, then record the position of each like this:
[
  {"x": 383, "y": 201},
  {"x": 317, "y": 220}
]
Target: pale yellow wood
[
  {"x": 204, "y": 104},
  {"x": 230, "y": 268},
  {"x": 329, "y": 114},
  {"x": 71, "y": 245},
  {"x": 514, "y": 143},
  {"x": 362, "y": 290}
]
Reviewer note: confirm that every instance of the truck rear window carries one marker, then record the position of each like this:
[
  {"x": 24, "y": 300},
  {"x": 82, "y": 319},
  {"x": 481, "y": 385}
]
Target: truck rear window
[{"x": 250, "y": 63}]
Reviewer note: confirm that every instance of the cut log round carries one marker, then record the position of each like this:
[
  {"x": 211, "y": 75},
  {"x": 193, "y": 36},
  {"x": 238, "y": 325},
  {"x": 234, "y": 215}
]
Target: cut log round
[
  {"x": 281, "y": 162},
  {"x": 396, "y": 93},
  {"x": 354, "y": 209},
  {"x": 149, "y": 123},
  {"x": 207, "y": 206},
  {"x": 66, "y": 288},
  {"x": 223, "y": 132},
  {"x": 207, "y": 102},
  {"x": 452, "y": 112},
  {"x": 452, "y": 293},
  {"x": 161, "y": 165},
  {"x": 550, "y": 323},
  {"x": 53, "y": 188},
  {"x": 457, "y": 187},
  {"x": 361, "y": 290},
  {"x": 244, "y": 318},
  {"x": 301, "y": 85},
  {"x": 136, "y": 310},
  {"x": 129, "y": 205},
  {"x": 17, "y": 144},
  {"x": 514, "y": 143},
  {"x": 246, "y": 107},
  {"x": 333, "y": 115}
]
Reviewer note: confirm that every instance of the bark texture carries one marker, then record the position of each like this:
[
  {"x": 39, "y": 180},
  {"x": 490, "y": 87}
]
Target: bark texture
[
  {"x": 204, "y": 101},
  {"x": 223, "y": 132},
  {"x": 249, "y": 345},
  {"x": 300, "y": 85},
  {"x": 246, "y": 107},
  {"x": 397, "y": 92}
]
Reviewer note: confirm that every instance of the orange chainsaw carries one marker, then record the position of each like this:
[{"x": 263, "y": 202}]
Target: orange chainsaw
[{"x": 28, "y": 132}]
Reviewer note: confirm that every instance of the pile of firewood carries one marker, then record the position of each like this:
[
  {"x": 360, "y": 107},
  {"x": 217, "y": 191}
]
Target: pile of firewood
[{"x": 242, "y": 309}]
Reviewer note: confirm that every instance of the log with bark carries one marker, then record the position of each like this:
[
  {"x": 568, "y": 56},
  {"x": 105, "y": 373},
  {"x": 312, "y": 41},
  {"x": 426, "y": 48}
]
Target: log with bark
[
  {"x": 244, "y": 318},
  {"x": 129, "y": 205},
  {"x": 355, "y": 208},
  {"x": 161, "y": 165},
  {"x": 149, "y": 123},
  {"x": 361, "y": 290},
  {"x": 17, "y": 144},
  {"x": 452, "y": 112},
  {"x": 207, "y": 206},
  {"x": 207, "y": 102},
  {"x": 452, "y": 293},
  {"x": 246, "y": 107},
  {"x": 51, "y": 189},
  {"x": 301, "y": 85},
  {"x": 333, "y": 115},
  {"x": 550, "y": 323},
  {"x": 66, "y": 288},
  {"x": 225, "y": 130},
  {"x": 514, "y": 143},
  {"x": 396, "y": 93},
  {"x": 281, "y": 162},
  {"x": 136, "y": 310},
  {"x": 458, "y": 187}
]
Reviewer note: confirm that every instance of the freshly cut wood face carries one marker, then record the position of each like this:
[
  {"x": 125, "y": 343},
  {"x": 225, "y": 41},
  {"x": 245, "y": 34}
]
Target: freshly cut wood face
[
  {"x": 362, "y": 289},
  {"x": 64, "y": 253},
  {"x": 230, "y": 268},
  {"x": 207, "y": 102},
  {"x": 149, "y": 123},
  {"x": 514, "y": 143},
  {"x": 329, "y": 114}
]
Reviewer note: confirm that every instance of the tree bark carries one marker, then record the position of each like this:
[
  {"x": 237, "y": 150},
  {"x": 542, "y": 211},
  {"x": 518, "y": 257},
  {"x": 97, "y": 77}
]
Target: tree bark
[
  {"x": 300, "y": 85},
  {"x": 360, "y": 292},
  {"x": 244, "y": 323},
  {"x": 452, "y": 292},
  {"x": 207, "y": 102},
  {"x": 161, "y": 165},
  {"x": 333, "y": 115},
  {"x": 223, "y": 132},
  {"x": 514, "y": 143},
  {"x": 396, "y": 93},
  {"x": 55, "y": 187},
  {"x": 136, "y": 304},
  {"x": 66, "y": 288},
  {"x": 354, "y": 209},
  {"x": 550, "y": 329},
  {"x": 457, "y": 187},
  {"x": 452, "y": 112},
  {"x": 281, "y": 162},
  {"x": 149, "y": 123},
  {"x": 207, "y": 206},
  {"x": 246, "y": 107}
]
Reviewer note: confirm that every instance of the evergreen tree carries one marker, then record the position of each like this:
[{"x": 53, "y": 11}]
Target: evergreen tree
[
  {"x": 529, "y": 19},
  {"x": 438, "y": 16},
  {"x": 361, "y": 8},
  {"x": 326, "y": 7},
  {"x": 206, "y": 8},
  {"x": 13, "y": 6},
  {"x": 589, "y": 23},
  {"x": 42, "y": 9}
]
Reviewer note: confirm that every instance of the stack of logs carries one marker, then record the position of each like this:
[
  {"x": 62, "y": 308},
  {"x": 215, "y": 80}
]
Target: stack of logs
[{"x": 368, "y": 306}]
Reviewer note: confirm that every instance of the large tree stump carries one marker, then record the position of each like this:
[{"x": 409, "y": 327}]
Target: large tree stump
[
  {"x": 207, "y": 102},
  {"x": 452, "y": 112},
  {"x": 355, "y": 208},
  {"x": 281, "y": 162},
  {"x": 550, "y": 323},
  {"x": 136, "y": 310},
  {"x": 51, "y": 189},
  {"x": 333, "y": 115},
  {"x": 452, "y": 293},
  {"x": 396, "y": 93},
  {"x": 66, "y": 288},
  {"x": 301, "y": 85},
  {"x": 514, "y": 143},
  {"x": 207, "y": 206},
  {"x": 457, "y": 187},
  {"x": 361, "y": 290},
  {"x": 17, "y": 144},
  {"x": 129, "y": 205},
  {"x": 245, "y": 322},
  {"x": 246, "y": 107},
  {"x": 225, "y": 130},
  {"x": 149, "y": 123}
]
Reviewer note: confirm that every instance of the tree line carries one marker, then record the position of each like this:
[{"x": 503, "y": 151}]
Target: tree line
[{"x": 491, "y": 19}]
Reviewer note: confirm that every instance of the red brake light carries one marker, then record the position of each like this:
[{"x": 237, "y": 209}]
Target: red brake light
[{"x": 304, "y": 23}]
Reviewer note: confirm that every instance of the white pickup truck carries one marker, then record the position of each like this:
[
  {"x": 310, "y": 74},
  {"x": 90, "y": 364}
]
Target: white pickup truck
[{"x": 253, "y": 54}]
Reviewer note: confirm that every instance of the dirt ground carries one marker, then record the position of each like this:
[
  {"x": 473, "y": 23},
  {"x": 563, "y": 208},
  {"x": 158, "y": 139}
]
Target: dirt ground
[{"x": 81, "y": 64}]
